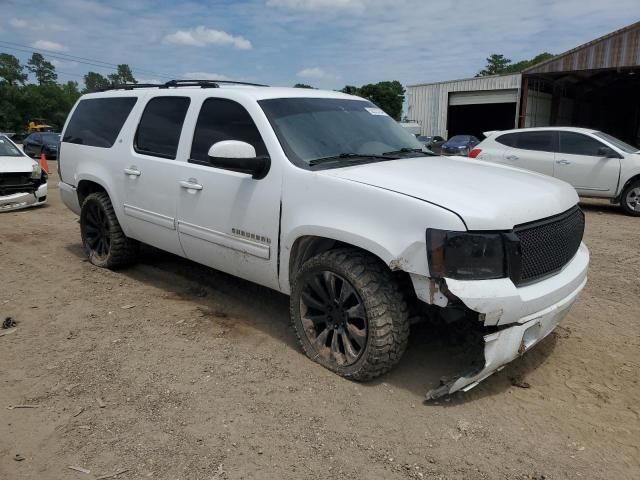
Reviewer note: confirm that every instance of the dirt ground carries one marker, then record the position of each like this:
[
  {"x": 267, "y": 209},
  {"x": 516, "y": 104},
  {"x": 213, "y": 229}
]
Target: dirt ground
[{"x": 171, "y": 370}]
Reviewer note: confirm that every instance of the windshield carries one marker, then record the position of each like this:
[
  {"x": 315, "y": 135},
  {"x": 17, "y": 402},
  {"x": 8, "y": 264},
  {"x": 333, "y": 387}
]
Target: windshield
[
  {"x": 310, "y": 129},
  {"x": 8, "y": 149},
  {"x": 460, "y": 139},
  {"x": 625, "y": 147},
  {"x": 424, "y": 139},
  {"x": 50, "y": 137}
]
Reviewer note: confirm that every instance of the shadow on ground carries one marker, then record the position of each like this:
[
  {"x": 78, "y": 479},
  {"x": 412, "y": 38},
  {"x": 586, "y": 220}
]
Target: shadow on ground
[{"x": 431, "y": 355}]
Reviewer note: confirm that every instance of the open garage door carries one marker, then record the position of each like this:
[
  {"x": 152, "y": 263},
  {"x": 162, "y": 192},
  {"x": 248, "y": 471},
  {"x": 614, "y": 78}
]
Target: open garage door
[{"x": 471, "y": 113}]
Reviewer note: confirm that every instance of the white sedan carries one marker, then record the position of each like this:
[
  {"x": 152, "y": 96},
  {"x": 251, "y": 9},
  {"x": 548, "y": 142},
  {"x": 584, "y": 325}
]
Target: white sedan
[{"x": 22, "y": 181}]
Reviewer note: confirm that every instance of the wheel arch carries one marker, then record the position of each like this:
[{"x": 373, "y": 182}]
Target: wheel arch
[
  {"x": 88, "y": 186},
  {"x": 308, "y": 246},
  {"x": 631, "y": 179}
]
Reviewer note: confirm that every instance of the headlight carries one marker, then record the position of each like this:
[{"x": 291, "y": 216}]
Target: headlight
[
  {"x": 466, "y": 255},
  {"x": 36, "y": 171}
]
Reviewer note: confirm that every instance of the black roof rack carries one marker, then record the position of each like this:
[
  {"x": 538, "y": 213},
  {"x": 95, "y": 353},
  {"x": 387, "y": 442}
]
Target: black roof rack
[{"x": 178, "y": 83}]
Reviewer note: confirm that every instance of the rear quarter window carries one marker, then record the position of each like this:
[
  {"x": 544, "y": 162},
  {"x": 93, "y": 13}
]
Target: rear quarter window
[
  {"x": 538, "y": 141},
  {"x": 97, "y": 122}
]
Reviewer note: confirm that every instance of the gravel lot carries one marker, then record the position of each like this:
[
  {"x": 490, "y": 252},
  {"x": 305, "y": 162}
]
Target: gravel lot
[{"x": 171, "y": 370}]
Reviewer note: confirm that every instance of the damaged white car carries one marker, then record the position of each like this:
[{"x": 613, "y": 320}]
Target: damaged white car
[
  {"x": 322, "y": 196},
  {"x": 22, "y": 182}
]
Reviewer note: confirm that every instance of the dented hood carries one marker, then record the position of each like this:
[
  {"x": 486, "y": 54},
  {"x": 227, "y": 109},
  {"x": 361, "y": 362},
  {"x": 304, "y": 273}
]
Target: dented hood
[{"x": 485, "y": 195}]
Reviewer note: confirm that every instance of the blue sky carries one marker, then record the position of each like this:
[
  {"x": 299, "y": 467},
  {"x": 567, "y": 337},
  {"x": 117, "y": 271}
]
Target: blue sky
[{"x": 325, "y": 43}]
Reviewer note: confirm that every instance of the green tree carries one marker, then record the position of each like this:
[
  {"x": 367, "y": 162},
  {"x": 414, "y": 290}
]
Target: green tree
[
  {"x": 350, "y": 89},
  {"x": 11, "y": 71},
  {"x": 43, "y": 70},
  {"x": 123, "y": 75},
  {"x": 389, "y": 96},
  {"x": 94, "y": 81},
  {"x": 302, "y": 85},
  {"x": 496, "y": 64},
  {"x": 524, "y": 64}
]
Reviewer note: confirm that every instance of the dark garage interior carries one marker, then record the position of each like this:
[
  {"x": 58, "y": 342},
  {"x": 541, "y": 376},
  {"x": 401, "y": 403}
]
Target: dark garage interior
[
  {"x": 475, "y": 119},
  {"x": 606, "y": 100}
]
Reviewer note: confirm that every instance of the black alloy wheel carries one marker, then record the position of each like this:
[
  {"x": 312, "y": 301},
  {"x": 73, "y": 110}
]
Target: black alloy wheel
[{"x": 334, "y": 318}]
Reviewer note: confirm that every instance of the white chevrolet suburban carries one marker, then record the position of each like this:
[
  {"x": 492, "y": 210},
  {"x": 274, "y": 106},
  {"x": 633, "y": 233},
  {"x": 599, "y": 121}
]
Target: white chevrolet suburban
[{"x": 322, "y": 196}]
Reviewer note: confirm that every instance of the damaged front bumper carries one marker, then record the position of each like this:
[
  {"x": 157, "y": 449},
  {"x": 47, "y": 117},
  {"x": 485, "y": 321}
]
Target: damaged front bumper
[
  {"x": 519, "y": 317},
  {"x": 16, "y": 201}
]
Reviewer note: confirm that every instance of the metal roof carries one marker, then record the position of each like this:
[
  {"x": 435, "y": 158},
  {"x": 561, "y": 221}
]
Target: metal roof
[{"x": 614, "y": 50}]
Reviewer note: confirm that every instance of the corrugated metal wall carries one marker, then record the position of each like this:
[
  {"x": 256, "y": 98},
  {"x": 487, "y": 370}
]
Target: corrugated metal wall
[
  {"x": 616, "y": 50},
  {"x": 428, "y": 103}
]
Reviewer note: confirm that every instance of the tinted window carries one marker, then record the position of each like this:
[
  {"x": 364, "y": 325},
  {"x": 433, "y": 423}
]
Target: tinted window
[
  {"x": 98, "y": 121},
  {"x": 220, "y": 120},
  {"x": 160, "y": 126},
  {"x": 578, "y": 144},
  {"x": 539, "y": 141},
  {"x": 50, "y": 138},
  {"x": 508, "y": 139}
]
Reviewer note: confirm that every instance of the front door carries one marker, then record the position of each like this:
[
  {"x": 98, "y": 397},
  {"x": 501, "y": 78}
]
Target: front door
[
  {"x": 226, "y": 219},
  {"x": 580, "y": 162},
  {"x": 150, "y": 174}
]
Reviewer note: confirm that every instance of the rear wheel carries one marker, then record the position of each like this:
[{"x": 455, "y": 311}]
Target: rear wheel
[
  {"x": 630, "y": 199},
  {"x": 102, "y": 238},
  {"x": 349, "y": 314}
]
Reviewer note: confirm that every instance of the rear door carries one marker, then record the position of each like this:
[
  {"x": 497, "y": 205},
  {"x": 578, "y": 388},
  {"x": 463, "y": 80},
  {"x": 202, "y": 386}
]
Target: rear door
[
  {"x": 581, "y": 163},
  {"x": 534, "y": 150},
  {"x": 150, "y": 173},
  {"x": 227, "y": 219}
]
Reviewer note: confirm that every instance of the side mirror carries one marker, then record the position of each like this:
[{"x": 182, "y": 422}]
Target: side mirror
[
  {"x": 239, "y": 157},
  {"x": 607, "y": 152}
]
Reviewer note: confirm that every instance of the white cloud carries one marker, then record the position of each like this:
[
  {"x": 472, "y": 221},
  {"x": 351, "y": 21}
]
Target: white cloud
[
  {"x": 48, "y": 45},
  {"x": 318, "y": 4},
  {"x": 17, "y": 23},
  {"x": 317, "y": 73},
  {"x": 201, "y": 36},
  {"x": 205, "y": 76},
  {"x": 63, "y": 63}
]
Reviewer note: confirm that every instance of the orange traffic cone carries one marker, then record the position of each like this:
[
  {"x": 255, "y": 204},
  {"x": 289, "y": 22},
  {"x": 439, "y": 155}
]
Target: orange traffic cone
[{"x": 43, "y": 163}]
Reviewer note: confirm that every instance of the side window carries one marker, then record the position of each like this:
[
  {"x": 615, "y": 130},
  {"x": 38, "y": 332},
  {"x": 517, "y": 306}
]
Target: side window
[
  {"x": 578, "y": 144},
  {"x": 508, "y": 139},
  {"x": 219, "y": 120},
  {"x": 97, "y": 121},
  {"x": 159, "y": 130},
  {"x": 539, "y": 141}
]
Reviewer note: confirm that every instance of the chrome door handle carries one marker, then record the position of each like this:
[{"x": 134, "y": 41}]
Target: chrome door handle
[
  {"x": 132, "y": 171},
  {"x": 563, "y": 162},
  {"x": 512, "y": 157},
  {"x": 190, "y": 184}
]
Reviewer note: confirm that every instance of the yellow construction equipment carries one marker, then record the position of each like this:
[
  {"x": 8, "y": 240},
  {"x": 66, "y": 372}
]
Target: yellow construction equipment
[{"x": 37, "y": 125}]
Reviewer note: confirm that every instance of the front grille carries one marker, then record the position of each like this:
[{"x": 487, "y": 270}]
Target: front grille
[
  {"x": 16, "y": 183},
  {"x": 548, "y": 245}
]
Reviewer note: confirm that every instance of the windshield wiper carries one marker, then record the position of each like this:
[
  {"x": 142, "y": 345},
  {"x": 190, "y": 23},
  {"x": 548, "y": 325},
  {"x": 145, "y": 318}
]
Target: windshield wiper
[
  {"x": 350, "y": 156},
  {"x": 409, "y": 150}
]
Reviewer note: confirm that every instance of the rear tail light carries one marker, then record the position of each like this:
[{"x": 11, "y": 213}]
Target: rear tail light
[{"x": 475, "y": 152}]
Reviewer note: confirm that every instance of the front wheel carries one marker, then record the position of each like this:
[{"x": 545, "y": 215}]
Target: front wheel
[
  {"x": 630, "y": 199},
  {"x": 102, "y": 238},
  {"x": 349, "y": 314}
]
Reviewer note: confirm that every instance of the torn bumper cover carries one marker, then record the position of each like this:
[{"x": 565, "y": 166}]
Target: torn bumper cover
[
  {"x": 525, "y": 315},
  {"x": 16, "y": 201}
]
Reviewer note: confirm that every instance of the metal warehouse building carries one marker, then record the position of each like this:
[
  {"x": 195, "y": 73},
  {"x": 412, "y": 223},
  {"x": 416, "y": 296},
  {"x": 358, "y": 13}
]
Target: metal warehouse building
[{"x": 595, "y": 85}]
